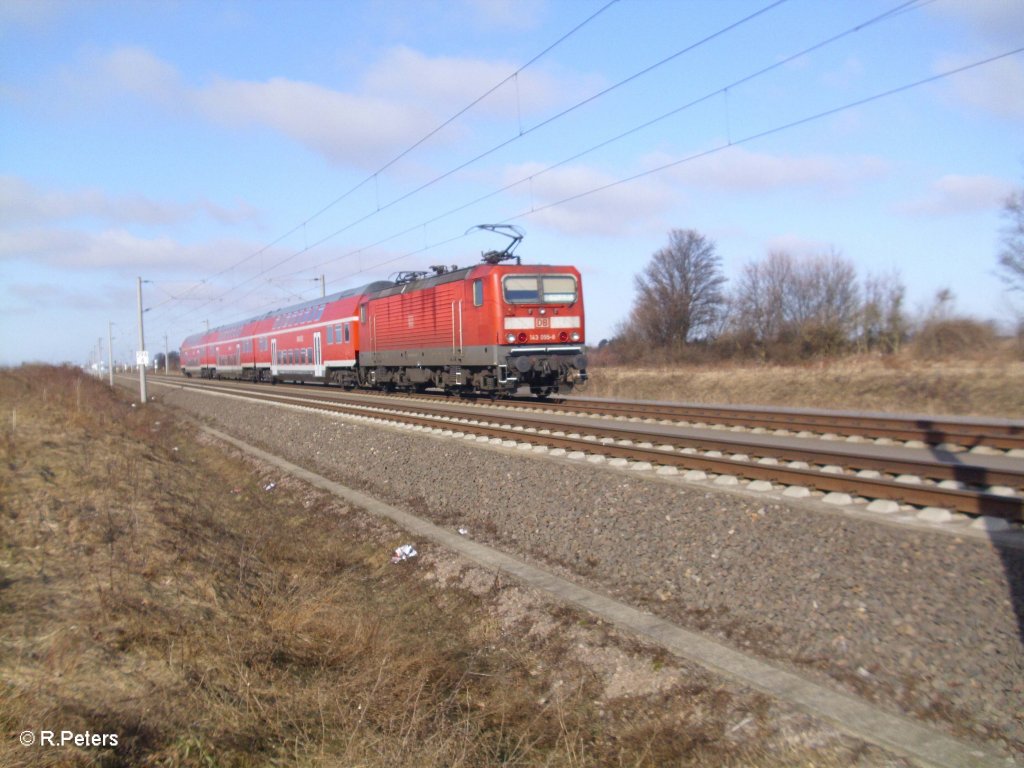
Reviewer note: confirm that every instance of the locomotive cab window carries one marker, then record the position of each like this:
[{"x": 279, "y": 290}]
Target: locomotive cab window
[
  {"x": 539, "y": 289},
  {"x": 478, "y": 293}
]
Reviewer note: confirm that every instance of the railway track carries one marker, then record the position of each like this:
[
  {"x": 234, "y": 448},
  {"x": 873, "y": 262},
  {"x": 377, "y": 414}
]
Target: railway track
[
  {"x": 970, "y": 484},
  {"x": 967, "y": 433}
]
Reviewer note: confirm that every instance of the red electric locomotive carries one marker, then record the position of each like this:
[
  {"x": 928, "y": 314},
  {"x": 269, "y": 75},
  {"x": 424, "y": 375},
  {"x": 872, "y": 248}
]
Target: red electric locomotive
[{"x": 490, "y": 328}]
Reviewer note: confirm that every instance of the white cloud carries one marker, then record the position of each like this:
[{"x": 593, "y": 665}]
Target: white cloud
[
  {"x": 997, "y": 87},
  {"x": 85, "y": 250},
  {"x": 618, "y": 210},
  {"x": 953, "y": 194},
  {"x": 138, "y": 71},
  {"x": 403, "y": 96},
  {"x": 998, "y": 21},
  {"x": 506, "y": 14},
  {"x": 452, "y": 83},
  {"x": 851, "y": 72},
  {"x": 797, "y": 245},
  {"x": 345, "y": 128},
  {"x": 22, "y": 203},
  {"x": 117, "y": 249},
  {"x": 997, "y": 25},
  {"x": 740, "y": 170},
  {"x": 31, "y": 13}
]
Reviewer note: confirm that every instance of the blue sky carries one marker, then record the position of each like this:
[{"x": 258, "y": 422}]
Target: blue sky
[{"x": 231, "y": 152}]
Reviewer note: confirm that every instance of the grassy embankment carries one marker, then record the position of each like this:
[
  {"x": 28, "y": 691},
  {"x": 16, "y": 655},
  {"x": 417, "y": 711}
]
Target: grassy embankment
[
  {"x": 990, "y": 386},
  {"x": 151, "y": 587}
]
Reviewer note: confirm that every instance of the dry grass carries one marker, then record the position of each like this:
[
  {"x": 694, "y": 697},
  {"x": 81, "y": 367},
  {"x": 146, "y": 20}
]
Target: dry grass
[
  {"x": 151, "y": 587},
  {"x": 988, "y": 387}
]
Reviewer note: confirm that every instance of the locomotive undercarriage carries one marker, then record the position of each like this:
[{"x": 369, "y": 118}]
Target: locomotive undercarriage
[{"x": 543, "y": 373}]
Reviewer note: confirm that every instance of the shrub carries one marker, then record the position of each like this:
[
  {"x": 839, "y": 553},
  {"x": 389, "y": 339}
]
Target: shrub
[{"x": 953, "y": 337}]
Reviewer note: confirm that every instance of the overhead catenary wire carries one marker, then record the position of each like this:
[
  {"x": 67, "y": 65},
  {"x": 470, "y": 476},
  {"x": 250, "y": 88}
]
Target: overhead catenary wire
[
  {"x": 771, "y": 131},
  {"x": 430, "y": 134},
  {"x": 696, "y": 156},
  {"x": 724, "y": 147},
  {"x": 901, "y": 8},
  {"x": 544, "y": 123},
  {"x": 706, "y": 153}
]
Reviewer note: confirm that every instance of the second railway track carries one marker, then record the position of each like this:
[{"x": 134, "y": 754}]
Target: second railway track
[{"x": 1001, "y": 434}]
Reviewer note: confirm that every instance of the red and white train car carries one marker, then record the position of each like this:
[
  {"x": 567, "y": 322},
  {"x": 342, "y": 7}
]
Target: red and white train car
[
  {"x": 307, "y": 341},
  {"x": 490, "y": 328}
]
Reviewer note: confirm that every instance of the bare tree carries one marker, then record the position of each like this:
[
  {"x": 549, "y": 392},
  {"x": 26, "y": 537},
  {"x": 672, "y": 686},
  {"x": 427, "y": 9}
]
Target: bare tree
[
  {"x": 759, "y": 302},
  {"x": 1011, "y": 258},
  {"x": 679, "y": 293},
  {"x": 824, "y": 300},
  {"x": 883, "y": 323},
  {"x": 797, "y": 307}
]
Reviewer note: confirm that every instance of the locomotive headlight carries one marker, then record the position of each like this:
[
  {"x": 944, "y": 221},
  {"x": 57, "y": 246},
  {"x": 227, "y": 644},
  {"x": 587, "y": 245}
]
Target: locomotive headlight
[
  {"x": 575, "y": 336},
  {"x": 510, "y": 338}
]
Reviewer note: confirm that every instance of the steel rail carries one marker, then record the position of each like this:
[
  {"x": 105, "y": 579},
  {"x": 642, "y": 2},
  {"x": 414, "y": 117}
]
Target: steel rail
[
  {"x": 974, "y": 502},
  {"x": 1003, "y": 435},
  {"x": 932, "y": 431},
  {"x": 935, "y": 469}
]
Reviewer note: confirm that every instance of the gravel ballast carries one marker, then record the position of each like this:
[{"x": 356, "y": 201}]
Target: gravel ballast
[{"x": 920, "y": 622}]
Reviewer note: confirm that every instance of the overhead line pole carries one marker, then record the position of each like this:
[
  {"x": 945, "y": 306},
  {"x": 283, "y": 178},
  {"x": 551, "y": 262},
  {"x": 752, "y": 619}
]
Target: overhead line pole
[
  {"x": 142, "y": 350},
  {"x": 110, "y": 351}
]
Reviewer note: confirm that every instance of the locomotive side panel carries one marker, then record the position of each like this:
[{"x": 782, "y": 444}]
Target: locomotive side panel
[{"x": 425, "y": 327}]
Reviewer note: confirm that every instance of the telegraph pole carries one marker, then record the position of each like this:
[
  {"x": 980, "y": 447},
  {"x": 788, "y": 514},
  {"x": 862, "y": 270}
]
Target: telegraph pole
[
  {"x": 110, "y": 351},
  {"x": 167, "y": 365},
  {"x": 142, "y": 361},
  {"x": 323, "y": 287}
]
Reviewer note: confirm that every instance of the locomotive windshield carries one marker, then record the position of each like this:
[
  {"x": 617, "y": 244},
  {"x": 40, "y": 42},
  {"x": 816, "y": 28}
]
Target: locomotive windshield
[{"x": 539, "y": 289}]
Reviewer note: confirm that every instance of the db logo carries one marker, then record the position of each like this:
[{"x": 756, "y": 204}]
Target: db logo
[{"x": 543, "y": 322}]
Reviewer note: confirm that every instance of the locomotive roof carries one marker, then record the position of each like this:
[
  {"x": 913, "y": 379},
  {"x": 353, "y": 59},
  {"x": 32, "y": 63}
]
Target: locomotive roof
[
  {"x": 392, "y": 289},
  {"x": 454, "y": 276}
]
